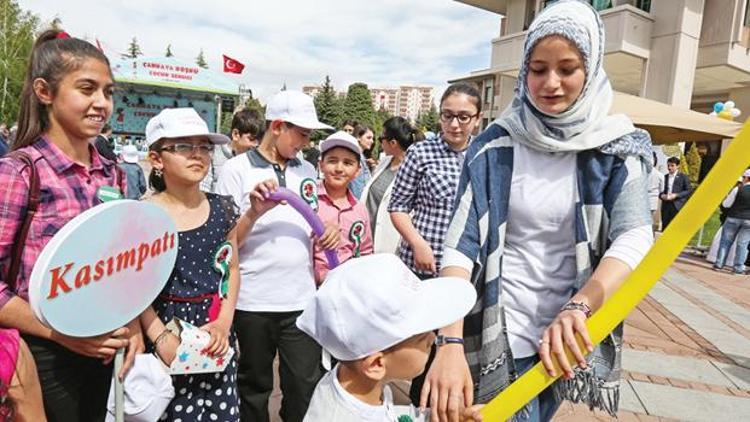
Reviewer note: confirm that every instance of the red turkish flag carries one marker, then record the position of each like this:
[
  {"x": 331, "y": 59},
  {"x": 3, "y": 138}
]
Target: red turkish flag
[{"x": 232, "y": 66}]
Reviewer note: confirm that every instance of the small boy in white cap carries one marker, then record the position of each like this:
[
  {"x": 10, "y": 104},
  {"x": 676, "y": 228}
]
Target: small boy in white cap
[
  {"x": 377, "y": 318},
  {"x": 337, "y": 205}
]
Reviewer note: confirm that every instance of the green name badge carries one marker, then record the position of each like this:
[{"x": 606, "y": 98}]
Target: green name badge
[{"x": 108, "y": 193}]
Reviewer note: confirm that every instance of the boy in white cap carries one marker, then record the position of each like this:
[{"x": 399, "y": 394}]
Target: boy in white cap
[
  {"x": 276, "y": 267},
  {"x": 337, "y": 205},
  {"x": 377, "y": 318}
]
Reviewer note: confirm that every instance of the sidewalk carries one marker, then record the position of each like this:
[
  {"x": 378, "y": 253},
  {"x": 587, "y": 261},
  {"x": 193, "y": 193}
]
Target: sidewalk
[{"x": 687, "y": 350}]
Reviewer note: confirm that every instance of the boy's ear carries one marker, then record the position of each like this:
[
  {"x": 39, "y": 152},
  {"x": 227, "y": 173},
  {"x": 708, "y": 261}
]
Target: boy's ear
[
  {"x": 373, "y": 366},
  {"x": 276, "y": 127},
  {"x": 234, "y": 134}
]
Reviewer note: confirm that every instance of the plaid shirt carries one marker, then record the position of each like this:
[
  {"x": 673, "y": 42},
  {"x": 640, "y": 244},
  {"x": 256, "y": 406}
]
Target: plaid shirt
[
  {"x": 66, "y": 189},
  {"x": 425, "y": 187}
]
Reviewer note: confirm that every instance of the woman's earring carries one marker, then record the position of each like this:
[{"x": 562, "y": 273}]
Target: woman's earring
[{"x": 158, "y": 172}]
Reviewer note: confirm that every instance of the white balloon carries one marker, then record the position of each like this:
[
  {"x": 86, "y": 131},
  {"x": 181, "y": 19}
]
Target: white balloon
[
  {"x": 736, "y": 112},
  {"x": 728, "y": 105},
  {"x": 713, "y": 113}
]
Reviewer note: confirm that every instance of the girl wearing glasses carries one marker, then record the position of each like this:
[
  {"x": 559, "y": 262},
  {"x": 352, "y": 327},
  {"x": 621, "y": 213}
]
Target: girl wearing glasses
[
  {"x": 180, "y": 148},
  {"x": 421, "y": 202},
  {"x": 553, "y": 216}
]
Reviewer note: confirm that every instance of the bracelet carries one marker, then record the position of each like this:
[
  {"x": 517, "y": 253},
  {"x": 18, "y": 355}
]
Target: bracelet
[
  {"x": 161, "y": 337},
  {"x": 577, "y": 306}
]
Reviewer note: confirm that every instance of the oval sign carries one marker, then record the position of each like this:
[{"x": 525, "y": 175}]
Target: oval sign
[{"x": 103, "y": 268}]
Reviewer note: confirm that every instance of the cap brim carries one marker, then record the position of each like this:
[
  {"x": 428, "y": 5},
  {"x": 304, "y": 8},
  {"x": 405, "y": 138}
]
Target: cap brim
[
  {"x": 333, "y": 143},
  {"x": 129, "y": 159},
  {"x": 218, "y": 138},
  {"x": 441, "y": 302},
  {"x": 311, "y": 124}
]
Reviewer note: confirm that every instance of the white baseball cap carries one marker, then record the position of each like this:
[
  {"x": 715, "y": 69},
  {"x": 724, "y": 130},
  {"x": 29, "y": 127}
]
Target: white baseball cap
[
  {"x": 371, "y": 303},
  {"x": 148, "y": 391},
  {"x": 341, "y": 139},
  {"x": 746, "y": 173},
  {"x": 130, "y": 154},
  {"x": 179, "y": 123},
  {"x": 296, "y": 108}
]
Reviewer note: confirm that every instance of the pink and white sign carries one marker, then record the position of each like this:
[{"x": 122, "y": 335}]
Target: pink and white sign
[{"x": 103, "y": 268}]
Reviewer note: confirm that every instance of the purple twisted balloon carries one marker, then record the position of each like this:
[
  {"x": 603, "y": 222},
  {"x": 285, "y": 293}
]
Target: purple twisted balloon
[{"x": 302, "y": 207}]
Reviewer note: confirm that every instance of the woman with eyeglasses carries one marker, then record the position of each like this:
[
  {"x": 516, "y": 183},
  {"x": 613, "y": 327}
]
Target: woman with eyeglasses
[
  {"x": 398, "y": 135},
  {"x": 423, "y": 193},
  {"x": 180, "y": 148}
]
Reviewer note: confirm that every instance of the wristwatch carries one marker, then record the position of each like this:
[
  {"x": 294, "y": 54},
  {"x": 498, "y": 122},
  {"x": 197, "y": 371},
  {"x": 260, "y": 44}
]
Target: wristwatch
[{"x": 442, "y": 340}]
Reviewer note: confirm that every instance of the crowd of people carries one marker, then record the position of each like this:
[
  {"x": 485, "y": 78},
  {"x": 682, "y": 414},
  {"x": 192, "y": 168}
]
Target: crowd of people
[{"x": 465, "y": 259}]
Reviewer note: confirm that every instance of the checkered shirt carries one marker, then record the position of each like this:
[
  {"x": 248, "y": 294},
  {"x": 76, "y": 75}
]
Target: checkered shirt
[
  {"x": 425, "y": 187},
  {"x": 66, "y": 190}
]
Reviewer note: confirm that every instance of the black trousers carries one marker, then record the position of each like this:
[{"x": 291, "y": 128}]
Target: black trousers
[
  {"x": 74, "y": 387},
  {"x": 261, "y": 335},
  {"x": 668, "y": 213}
]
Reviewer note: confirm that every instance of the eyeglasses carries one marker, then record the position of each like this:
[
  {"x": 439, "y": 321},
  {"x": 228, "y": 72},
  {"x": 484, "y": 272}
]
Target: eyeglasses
[
  {"x": 188, "y": 149},
  {"x": 447, "y": 117}
]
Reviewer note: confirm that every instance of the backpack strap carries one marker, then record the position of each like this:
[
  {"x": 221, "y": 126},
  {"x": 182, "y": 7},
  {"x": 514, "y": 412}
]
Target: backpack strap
[{"x": 31, "y": 209}]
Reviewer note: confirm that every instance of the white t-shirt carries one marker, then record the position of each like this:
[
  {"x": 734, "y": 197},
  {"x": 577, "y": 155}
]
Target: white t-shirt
[
  {"x": 539, "y": 263},
  {"x": 332, "y": 403},
  {"x": 276, "y": 256}
]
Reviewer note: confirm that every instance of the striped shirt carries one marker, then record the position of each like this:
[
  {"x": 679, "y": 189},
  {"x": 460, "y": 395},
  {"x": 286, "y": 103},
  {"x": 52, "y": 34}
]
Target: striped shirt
[
  {"x": 66, "y": 190},
  {"x": 425, "y": 187}
]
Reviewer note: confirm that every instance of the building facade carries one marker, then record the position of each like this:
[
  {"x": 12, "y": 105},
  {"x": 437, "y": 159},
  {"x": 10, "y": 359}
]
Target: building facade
[
  {"x": 686, "y": 53},
  {"x": 405, "y": 101}
]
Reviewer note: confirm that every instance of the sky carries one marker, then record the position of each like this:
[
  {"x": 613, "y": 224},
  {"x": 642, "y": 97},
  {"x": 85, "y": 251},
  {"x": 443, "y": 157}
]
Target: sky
[{"x": 297, "y": 43}]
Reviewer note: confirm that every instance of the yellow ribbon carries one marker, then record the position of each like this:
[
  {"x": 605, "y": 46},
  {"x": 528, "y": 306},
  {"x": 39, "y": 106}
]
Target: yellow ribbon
[{"x": 665, "y": 250}]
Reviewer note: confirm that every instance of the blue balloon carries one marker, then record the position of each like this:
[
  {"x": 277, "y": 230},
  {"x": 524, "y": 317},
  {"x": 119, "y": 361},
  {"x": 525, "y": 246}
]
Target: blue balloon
[{"x": 718, "y": 107}]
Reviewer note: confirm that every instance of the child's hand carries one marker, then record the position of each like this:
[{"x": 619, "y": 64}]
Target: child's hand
[
  {"x": 330, "y": 238},
  {"x": 259, "y": 202},
  {"x": 219, "y": 343},
  {"x": 472, "y": 413}
]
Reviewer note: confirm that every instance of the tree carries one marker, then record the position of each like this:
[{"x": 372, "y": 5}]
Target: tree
[
  {"x": 358, "y": 104},
  {"x": 377, "y": 128},
  {"x": 16, "y": 41},
  {"x": 133, "y": 51},
  {"x": 57, "y": 24},
  {"x": 201, "y": 60},
  {"x": 327, "y": 104},
  {"x": 254, "y": 104},
  {"x": 693, "y": 160},
  {"x": 429, "y": 121},
  {"x": 168, "y": 53}
]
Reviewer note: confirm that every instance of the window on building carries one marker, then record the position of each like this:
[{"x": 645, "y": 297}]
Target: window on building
[
  {"x": 644, "y": 5},
  {"x": 488, "y": 94},
  {"x": 598, "y": 4},
  {"x": 601, "y": 4},
  {"x": 747, "y": 13}
]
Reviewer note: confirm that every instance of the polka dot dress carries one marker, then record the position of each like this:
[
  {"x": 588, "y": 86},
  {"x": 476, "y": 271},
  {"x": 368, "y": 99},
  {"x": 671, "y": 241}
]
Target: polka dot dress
[{"x": 212, "y": 396}]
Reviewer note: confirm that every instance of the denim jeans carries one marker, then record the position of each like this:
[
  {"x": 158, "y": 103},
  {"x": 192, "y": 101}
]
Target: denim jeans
[
  {"x": 739, "y": 229},
  {"x": 544, "y": 406}
]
